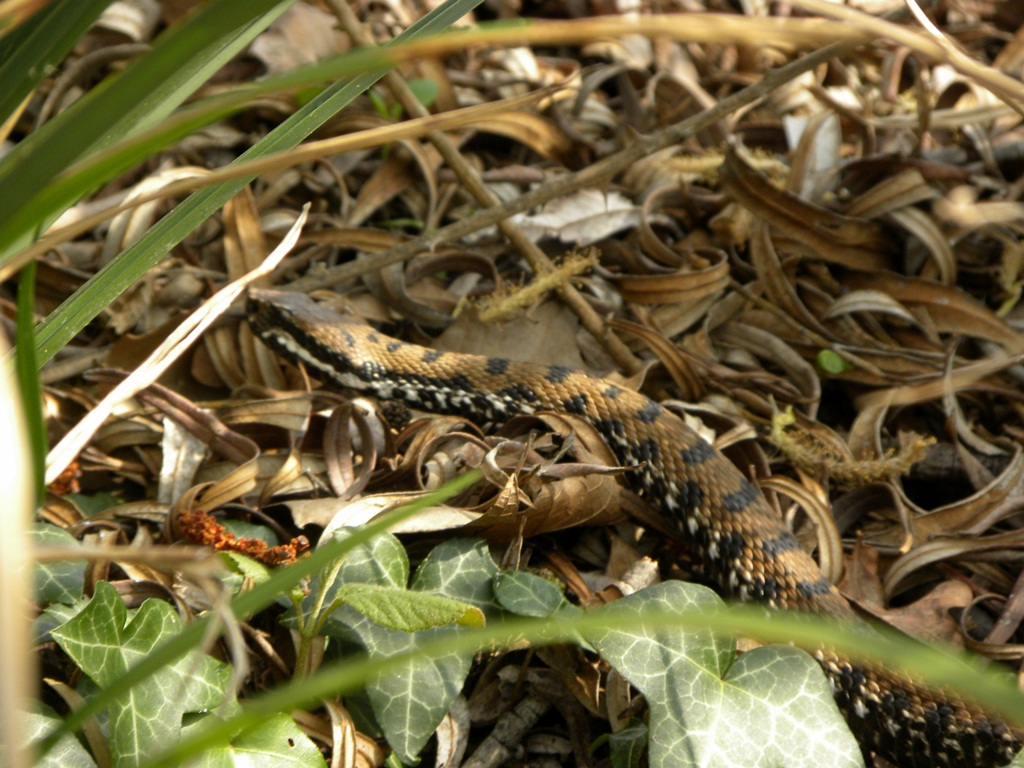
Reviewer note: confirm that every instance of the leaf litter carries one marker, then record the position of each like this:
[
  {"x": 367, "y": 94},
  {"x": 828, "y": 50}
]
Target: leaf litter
[{"x": 866, "y": 211}]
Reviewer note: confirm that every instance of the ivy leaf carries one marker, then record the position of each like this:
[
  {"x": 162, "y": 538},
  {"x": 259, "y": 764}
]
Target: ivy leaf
[
  {"x": 410, "y": 703},
  {"x": 771, "y": 707},
  {"x": 69, "y": 752},
  {"x": 57, "y": 581},
  {"x": 276, "y": 743},
  {"x": 526, "y": 594},
  {"x": 106, "y": 640}
]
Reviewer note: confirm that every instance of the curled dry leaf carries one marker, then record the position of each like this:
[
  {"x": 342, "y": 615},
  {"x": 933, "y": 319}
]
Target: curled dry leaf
[
  {"x": 558, "y": 495},
  {"x": 537, "y": 133},
  {"x": 353, "y": 419},
  {"x": 962, "y": 207},
  {"x": 846, "y": 241},
  {"x": 683, "y": 287},
  {"x": 778, "y": 288},
  {"x": 396, "y": 177},
  {"x": 771, "y": 348},
  {"x": 1002, "y": 497},
  {"x": 924, "y": 227},
  {"x": 949, "y": 310},
  {"x": 949, "y": 548},
  {"x": 869, "y": 301},
  {"x": 435, "y": 451},
  {"x": 895, "y": 192},
  {"x": 286, "y": 478},
  {"x": 680, "y": 366},
  {"x": 334, "y": 514},
  {"x": 288, "y": 412}
]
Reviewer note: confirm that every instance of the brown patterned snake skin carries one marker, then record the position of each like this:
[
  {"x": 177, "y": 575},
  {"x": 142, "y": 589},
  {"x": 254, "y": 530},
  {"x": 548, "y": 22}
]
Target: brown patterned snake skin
[{"x": 741, "y": 541}]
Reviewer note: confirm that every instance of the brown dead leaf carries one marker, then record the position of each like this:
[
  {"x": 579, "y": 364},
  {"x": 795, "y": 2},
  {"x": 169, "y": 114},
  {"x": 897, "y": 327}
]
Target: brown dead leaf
[
  {"x": 928, "y": 618},
  {"x": 545, "y": 334},
  {"x": 679, "y": 365},
  {"x": 1002, "y": 497},
  {"x": 949, "y": 309},
  {"x": 683, "y": 287},
  {"x": 532, "y": 131},
  {"x": 303, "y": 34},
  {"x": 1005, "y": 545},
  {"x": 846, "y": 241},
  {"x": 396, "y": 178},
  {"x": 560, "y": 495}
]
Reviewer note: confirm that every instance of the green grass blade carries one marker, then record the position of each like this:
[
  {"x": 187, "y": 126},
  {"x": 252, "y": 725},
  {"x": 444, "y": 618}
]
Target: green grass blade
[
  {"x": 182, "y": 59},
  {"x": 34, "y": 49},
  {"x": 28, "y": 378},
  {"x": 71, "y": 316}
]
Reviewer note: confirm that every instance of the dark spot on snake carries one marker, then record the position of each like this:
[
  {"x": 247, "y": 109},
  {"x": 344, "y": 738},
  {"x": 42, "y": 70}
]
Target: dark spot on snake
[
  {"x": 649, "y": 413},
  {"x": 417, "y": 380},
  {"x": 373, "y": 338},
  {"x": 497, "y": 365},
  {"x": 576, "y": 404},
  {"x": 518, "y": 392},
  {"x": 732, "y": 546},
  {"x": 558, "y": 373},
  {"x": 741, "y": 499},
  {"x": 612, "y": 429},
  {"x": 784, "y": 542},
  {"x": 648, "y": 450},
  {"x": 933, "y": 722},
  {"x": 349, "y": 338},
  {"x": 690, "y": 496},
  {"x": 697, "y": 453},
  {"x": 432, "y": 355},
  {"x": 764, "y": 590},
  {"x": 393, "y": 346},
  {"x": 612, "y": 392},
  {"x": 654, "y": 484},
  {"x": 461, "y": 383},
  {"x": 811, "y": 589}
]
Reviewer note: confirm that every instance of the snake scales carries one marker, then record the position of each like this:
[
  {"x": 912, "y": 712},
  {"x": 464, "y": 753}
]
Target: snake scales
[{"x": 741, "y": 542}]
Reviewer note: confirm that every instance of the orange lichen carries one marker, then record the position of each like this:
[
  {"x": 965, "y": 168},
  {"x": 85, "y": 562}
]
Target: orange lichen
[{"x": 201, "y": 528}]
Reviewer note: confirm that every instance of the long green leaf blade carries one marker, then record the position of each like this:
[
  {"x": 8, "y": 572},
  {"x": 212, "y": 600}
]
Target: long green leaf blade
[
  {"x": 71, "y": 316},
  {"x": 182, "y": 59},
  {"x": 28, "y": 378},
  {"x": 31, "y": 51}
]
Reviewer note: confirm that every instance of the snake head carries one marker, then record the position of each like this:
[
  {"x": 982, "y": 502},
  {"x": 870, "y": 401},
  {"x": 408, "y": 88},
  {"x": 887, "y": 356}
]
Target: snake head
[{"x": 298, "y": 328}]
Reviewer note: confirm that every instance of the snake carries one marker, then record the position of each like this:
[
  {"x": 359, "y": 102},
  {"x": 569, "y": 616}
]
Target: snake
[{"x": 740, "y": 542}]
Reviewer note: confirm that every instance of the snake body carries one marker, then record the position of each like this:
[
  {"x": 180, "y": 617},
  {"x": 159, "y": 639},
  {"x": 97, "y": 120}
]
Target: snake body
[{"x": 740, "y": 541}]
